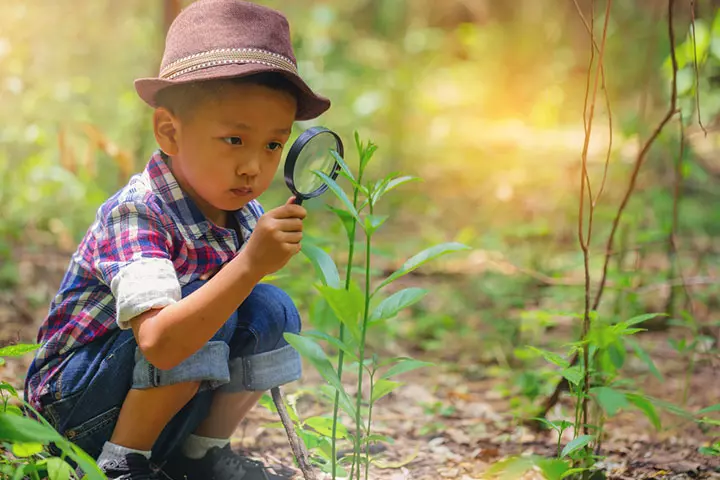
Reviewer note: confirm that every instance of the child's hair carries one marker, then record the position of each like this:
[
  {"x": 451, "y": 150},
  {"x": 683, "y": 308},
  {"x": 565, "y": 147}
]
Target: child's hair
[{"x": 182, "y": 99}]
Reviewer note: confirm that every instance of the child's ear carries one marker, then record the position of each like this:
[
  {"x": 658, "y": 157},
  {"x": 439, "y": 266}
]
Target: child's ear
[{"x": 165, "y": 125}]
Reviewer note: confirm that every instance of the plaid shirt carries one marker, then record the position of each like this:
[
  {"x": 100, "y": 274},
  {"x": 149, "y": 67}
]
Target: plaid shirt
[{"x": 147, "y": 234}]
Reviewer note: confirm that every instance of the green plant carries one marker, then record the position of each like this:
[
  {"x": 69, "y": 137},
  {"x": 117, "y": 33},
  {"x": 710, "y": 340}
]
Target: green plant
[
  {"x": 25, "y": 440},
  {"x": 687, "y": 348},
  {"x": 359, "y": 308}
]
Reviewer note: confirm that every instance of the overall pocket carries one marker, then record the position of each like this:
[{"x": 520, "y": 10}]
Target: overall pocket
[{"x": 92, "y": 434}]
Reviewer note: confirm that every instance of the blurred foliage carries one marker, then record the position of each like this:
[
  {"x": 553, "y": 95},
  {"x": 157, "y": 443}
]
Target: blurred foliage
[{"x": 483, "y": 100}]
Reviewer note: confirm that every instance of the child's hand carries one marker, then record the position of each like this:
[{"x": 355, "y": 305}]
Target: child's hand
[{"x": 276, "y": 238}]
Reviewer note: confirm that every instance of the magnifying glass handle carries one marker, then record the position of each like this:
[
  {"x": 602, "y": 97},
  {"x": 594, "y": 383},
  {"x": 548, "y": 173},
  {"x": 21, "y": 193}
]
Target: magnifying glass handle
[{"x": 298, "y": 201}]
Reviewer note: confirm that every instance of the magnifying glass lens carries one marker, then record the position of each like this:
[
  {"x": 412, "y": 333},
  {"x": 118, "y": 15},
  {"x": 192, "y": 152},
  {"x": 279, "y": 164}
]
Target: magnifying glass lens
[{"x": 315, "y": 156}]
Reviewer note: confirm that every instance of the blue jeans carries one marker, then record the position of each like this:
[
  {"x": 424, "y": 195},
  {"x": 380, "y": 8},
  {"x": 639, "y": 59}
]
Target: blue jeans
[{"x": 248, "y": 353}]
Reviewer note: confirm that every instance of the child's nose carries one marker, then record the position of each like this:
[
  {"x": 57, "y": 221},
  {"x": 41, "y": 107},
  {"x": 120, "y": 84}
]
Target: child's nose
[{"x": 250, "y": 166}]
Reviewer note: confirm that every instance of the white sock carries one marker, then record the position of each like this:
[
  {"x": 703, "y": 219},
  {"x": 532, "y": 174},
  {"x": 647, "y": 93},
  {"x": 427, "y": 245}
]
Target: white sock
[
  {"x": 111, "y": 451},
  {"x": 196, "y": 447}
]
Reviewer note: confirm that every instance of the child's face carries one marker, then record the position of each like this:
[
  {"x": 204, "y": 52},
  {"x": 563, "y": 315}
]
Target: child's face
[{"x": 227, "y": 150}]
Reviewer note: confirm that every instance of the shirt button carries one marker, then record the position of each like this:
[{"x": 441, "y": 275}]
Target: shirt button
[
  {"x": 70, "y": 434},
  {"x": 58, "y": 396}
]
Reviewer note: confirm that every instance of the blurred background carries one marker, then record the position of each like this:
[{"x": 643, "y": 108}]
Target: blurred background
[{"x": 481, "y": 99}]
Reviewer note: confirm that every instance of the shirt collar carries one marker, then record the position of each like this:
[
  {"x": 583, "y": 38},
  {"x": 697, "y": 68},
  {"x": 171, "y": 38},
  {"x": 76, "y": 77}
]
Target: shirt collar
[{"x": 183, "y": 209}]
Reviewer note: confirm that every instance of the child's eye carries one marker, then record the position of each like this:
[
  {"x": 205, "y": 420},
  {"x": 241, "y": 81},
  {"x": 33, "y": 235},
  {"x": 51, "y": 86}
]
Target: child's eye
[
  {"x": 274, "y": 146},
  {"x": 232, "y": 140}
]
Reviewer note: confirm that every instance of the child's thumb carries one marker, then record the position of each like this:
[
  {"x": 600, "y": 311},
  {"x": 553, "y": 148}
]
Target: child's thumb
[{"x": 290, "y": 201}]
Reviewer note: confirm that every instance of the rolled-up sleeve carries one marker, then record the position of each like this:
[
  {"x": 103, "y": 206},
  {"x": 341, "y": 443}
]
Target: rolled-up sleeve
[{"x": 133, "y": 259}]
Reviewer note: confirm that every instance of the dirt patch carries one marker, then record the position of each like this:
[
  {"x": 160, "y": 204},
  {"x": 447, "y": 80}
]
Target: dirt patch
[{"x": 447, "y": 421}]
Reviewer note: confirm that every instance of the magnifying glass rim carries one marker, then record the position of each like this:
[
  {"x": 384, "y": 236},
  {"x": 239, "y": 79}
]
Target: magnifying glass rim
[{"x": 294, "y": 153}]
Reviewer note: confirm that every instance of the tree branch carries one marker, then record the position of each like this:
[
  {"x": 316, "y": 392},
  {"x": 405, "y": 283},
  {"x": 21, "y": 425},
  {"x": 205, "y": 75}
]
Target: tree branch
[
  {"x": 298, "y": 447},
  {"x": 672, "y": 109}
]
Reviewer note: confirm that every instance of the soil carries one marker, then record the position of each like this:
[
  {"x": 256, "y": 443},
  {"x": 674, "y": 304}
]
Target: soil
[{"x": 450, "y": 421}]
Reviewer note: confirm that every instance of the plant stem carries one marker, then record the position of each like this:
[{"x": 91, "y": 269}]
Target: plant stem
[
  {"x": 341, "y": 335},
  {"x": 367, "y": 443},
  {"x": 688, "y": 375},
  {"x": 361, "y": 356},
  {"x": 33, "y": 474},
  {"x": 559, "y": 444}
]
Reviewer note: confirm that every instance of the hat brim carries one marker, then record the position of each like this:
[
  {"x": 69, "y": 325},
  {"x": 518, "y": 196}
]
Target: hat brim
[{"x": 310, "y": 104}]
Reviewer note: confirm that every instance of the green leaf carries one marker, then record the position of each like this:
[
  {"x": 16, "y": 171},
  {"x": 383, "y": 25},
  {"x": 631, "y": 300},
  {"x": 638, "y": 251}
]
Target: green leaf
[
  {"x": 24, "y": 450},
  {"x": 553, "y": 468},
  {"x": 267, "y": 402},
  {"x": 641, "y": 318},
  {"x": 643, "y": 355},
  {"x": 709, "y": 421},
  {"x": 670, "y": 407},
  {"x": 573, "y": 375},
  {"x": 365, "y": 152},
  {"x": 577, "y": 444},
  {"x": 9, "y": 388},
  {"x": 85, "y": 461},
  {"x": 347, "y": 305},
  {"x": 332, "y": 341},
  {"x": 347, "y": 220},
  {"x": 513, "y": 467},
  {"x": 709, "y": 451},
  {"x": 715, "y": 38},
  {"x": 713, "y": 408},
  {"x": 315, "y": 355},
  {"x": 344, "y": 166},
  {"x": 58, "y": 469},
  {"x": 549, "y": 356},
  {"x": 18, "y": 350},
  {"x": 389, "y": 184},
  {"x": 546, "y": 422},
  {"x": 323, "y": 263},
  {"x": 422, "y": 258},
  {"x": 340, "y": 194},
  {"x": 323, "y": 426},
  {"x": 405, "y": 365},
  {"x": 23, "y": 429},
  {"x": 382, "y": 387},
  {"x": 644, "y": 405},
  {"x": 373, "y": 222},
  {"x": 610, "y": 399},
  {"x": 573, "y": 471},
  {"x": 13, "y": 410},
  {"x": 616, "y": 353},
  {"x": 396, "y": 302}
]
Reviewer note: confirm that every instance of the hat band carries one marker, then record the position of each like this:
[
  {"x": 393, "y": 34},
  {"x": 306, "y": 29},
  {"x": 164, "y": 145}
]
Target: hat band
[{"x": 225, "y": 56}]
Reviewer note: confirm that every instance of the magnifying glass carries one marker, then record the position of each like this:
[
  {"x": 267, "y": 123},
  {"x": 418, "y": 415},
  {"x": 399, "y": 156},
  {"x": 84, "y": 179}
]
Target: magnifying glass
[{"x": 312, "y": 152}]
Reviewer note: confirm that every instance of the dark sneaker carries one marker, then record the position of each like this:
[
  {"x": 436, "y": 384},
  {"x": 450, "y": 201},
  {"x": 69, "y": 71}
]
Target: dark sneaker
[
  {"x": 217, "y": 464},
  {"x": 132, "y": 467}
]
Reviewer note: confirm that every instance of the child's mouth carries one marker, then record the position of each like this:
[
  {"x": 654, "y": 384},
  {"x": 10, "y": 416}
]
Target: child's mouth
[{"x": 241, "y": 192}]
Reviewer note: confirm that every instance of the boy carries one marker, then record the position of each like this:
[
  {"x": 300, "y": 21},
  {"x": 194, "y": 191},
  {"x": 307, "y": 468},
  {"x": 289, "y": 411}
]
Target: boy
[{"x": 150, "y": 348}]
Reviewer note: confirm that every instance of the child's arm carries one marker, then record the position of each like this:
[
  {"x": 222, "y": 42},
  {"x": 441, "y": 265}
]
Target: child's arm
[{"x": 169, "y": 335}]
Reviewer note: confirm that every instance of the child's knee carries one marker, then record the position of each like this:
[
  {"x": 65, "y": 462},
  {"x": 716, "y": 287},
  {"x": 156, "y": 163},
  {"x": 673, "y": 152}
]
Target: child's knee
[{"x": 274, "y": 306}]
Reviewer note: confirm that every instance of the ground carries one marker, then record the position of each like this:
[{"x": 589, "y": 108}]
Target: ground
[{"x": 448, "y": 421}]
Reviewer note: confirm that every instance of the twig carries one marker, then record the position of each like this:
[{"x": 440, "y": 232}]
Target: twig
[
  {"x": 695, "y": 63},
  {"x": 641, "y": 157},
  {"x": 562, "y": 384},
  {"x": 298, "y": 447},
  {"x": 672, "y": 237},
  {"x": 584, "y": 179},
  {"x": 595, "y": 47}
]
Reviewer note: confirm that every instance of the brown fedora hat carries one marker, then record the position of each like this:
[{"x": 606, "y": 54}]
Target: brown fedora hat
[{"x": 221, "y": 39}]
